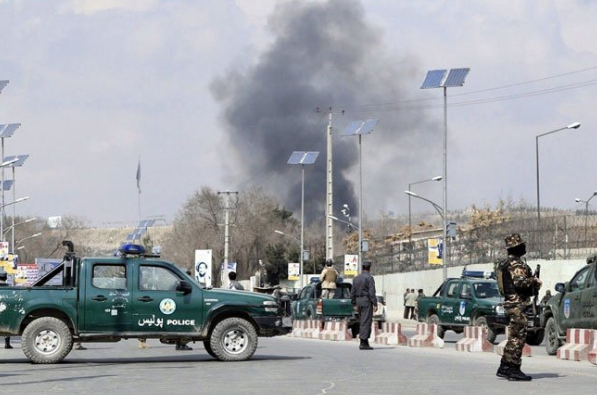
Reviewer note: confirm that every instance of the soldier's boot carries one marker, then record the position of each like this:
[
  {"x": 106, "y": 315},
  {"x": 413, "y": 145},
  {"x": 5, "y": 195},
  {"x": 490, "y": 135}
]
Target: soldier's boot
[
  {"x": 7, "y": 342},
  {"x": 517, "y": 375},
  {"x": 504, "y": 370}
]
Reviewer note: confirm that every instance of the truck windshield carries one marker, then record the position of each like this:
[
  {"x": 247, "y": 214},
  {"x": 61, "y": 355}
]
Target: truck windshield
[{"x": 486, "y": 290}]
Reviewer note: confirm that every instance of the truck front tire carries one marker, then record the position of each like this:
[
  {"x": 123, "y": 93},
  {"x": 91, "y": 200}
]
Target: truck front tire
[
  {"x": 233, "y": 339},
  {"x": 46, "y": 340},
  {"x": 552, "y": 342}
]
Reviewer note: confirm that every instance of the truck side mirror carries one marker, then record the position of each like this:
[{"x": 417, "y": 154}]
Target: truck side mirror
[
  {"x": 560, "y": 287},
  {"x": 184, "y": 287}
]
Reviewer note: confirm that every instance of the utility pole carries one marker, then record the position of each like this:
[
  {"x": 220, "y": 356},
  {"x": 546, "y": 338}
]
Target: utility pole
[
  {"x": 227, "y": 209},
  {"x": 329, "y": 195}
]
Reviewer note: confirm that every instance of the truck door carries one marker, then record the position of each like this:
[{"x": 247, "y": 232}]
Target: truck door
[
  {"x": 465, "y": 305},
  {"x": 107, "y": 301},
  {"x": 302, "y": 304},
  {"x": 158, "y": 307},
  {"x": 588, "y": 299},
  {"x": 450, "y": 303},
  {"x": 571, "y": 310}
]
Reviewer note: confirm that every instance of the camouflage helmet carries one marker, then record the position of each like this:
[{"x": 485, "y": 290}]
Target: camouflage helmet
[{"x": 513, "y": 240}]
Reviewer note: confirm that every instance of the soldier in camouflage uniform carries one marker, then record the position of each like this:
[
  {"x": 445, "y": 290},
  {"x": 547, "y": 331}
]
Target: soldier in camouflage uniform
[{"x": 519, "y": 284}]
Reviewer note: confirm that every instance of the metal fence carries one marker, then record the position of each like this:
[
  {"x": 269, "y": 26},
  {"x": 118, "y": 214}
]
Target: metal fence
[{"x": 561, "y": 237}]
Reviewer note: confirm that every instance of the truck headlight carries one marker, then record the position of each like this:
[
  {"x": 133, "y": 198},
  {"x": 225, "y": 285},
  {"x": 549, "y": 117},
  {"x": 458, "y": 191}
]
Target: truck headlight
[
  {"x": 499, "y": 310},
  {"x": 270, "y": 306}
]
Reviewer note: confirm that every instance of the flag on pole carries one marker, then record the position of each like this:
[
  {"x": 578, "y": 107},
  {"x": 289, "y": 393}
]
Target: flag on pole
[{"x": 139, "y": 176}]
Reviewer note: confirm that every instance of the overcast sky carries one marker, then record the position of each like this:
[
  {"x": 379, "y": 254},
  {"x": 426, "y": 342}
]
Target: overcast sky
[{"x": 219, "y": 93}]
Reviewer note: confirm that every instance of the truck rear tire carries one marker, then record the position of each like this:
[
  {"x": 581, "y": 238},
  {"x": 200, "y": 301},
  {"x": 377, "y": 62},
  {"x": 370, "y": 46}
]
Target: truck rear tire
[
  {"x": 233, "y": 339},
  {"x": 46, "y": 340},
  {"x": 491, "y": 333},
  {"x": 434, "y": 320},
  {"x": 552, "y": 342}
]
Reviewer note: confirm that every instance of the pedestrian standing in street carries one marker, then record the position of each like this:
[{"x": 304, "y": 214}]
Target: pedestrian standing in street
[
  {"x": 405, "y": 309},
  {"x": 234, "y": 284},
  {"x": 4, "y": 283},
  {"x": 363, "y": 295},
  {"x": 411, "y": 302},
  {"x": 518, "y": 285},
  {"x": 328, "y": 278}
]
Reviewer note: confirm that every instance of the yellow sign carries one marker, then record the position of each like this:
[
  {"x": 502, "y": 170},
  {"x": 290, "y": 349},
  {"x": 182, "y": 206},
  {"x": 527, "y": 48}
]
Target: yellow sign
[
  {"x": 434, "y": 248},
  {"x": 351, "y": 265}
]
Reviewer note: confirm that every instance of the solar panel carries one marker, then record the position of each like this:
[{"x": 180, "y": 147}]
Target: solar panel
[
  {"x": 360, "y": 127},
  {"x": 7, "y": 130},
  {"x": 3, "y": 85},
  {"x": 7, "y": 185},
  {"x": 130, "y": 237},
  {"x": 295, "y": 158},
  {"x": 456, "y": 77},
  {"x": 150, "y": 223},
  {"x": 433, "y": 79},
  {"x": 20, "y": 159},
  {"x": 310, "y": 157}
]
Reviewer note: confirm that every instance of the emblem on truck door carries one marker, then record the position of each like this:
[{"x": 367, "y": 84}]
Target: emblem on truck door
[{"x": 167, "y": 306}]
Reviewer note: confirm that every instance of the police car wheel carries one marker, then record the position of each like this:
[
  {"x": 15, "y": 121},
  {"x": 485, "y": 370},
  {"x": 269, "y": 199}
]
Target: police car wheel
[
  {"x": 552, "y": 342},
  {"x": 233, "y": 339},
  {"x": 46, "y": 340},
  {"x": 434, "y": 320}
]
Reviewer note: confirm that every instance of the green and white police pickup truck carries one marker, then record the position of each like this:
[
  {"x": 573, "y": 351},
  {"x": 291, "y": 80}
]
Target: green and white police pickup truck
[
  {"x": 574, "y": 306},
  {"x": 459, "y": 302},
  {"x": 310, "y": 305},
  {"x": 134, "y": 295}
]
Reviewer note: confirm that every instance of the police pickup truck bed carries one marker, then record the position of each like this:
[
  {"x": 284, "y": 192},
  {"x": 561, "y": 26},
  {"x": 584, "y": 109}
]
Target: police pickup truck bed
[
  {"x": 133, "y": 296},
  {"x": 459, "y": 302}
]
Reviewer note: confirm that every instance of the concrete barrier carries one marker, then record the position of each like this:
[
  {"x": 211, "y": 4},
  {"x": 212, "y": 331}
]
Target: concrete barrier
[
  {"x": 312, "y": 330},
  {"x": 578, "y": 344},
  {"x": 391, "y": 334},
  {"x": 336, "y": 331},
  {"x": 499, "y": 349},
  {"x": 474, "y": 340},
  {"x": 593, "y": 349},
  {"x": 298, "y": 326},
  {"x": 426, "y": 337}
]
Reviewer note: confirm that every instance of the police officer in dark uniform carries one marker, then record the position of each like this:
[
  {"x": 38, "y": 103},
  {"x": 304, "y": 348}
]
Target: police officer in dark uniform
[
  {"x": 519, "y": 284},
  {"x": 4, "y": 282},
  {"x": 363, "y": 295}
]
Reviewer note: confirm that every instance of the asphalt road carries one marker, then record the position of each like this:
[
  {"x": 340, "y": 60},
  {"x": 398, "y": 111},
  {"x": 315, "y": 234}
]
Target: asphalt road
[{"x": 287, "y": 366}]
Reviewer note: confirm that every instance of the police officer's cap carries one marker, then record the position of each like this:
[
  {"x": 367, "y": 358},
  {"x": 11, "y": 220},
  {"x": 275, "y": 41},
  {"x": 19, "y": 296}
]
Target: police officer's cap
[
  {"x": 367, "y": 265},
  {"x": 513, "y": 240}
]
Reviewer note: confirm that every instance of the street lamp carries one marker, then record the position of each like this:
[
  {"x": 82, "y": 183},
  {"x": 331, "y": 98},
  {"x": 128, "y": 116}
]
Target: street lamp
[
  {"x": 360, "y": 128},
  {"x": 350, "y": 224},
  {"x": 574, "y": 125},
  {"x": 15, "y": 161},
  {"x": 586, "y": 202},
  {"x": 410, "y": 225},
  {"x": 302, "y": 158},
  {"x": 17, "y": 224},
  {"x": 445, "y": 79},
  {"x": 6, "y": 131},
  {"x": 436, "y": 206},
  {"x": 28, "y": 237}
]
